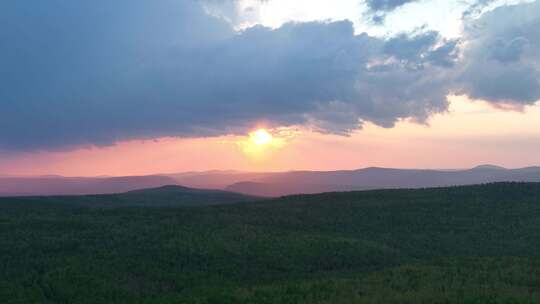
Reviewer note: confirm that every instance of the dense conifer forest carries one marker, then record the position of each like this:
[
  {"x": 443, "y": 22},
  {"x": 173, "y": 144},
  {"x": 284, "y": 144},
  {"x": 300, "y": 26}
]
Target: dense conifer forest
[{"x": 472, "y": 244}]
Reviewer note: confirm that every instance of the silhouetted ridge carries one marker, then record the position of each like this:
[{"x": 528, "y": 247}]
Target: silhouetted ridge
[
  {"x": 166, "y": 188},
  {"x": 489, "y": 167}
]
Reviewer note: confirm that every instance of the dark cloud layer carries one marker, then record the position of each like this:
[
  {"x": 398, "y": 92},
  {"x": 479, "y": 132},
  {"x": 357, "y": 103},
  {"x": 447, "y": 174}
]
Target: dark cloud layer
[{"x": 92, "y": 74}]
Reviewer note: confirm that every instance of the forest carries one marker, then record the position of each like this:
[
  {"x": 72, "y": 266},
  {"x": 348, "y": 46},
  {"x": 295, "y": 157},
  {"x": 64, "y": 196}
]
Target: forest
[{"x": 467, "y": 244}]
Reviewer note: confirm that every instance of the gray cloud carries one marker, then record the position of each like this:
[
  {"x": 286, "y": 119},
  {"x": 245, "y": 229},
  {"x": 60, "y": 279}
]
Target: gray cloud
[
  {"x": 507, "y": 51},
  {"x": 377, "y": 9},
  {"x": 79, "y": 74},
  {"x": 476, "y": 8},
  {"x": 93, "y": 74},
  {"x": 386, "y": 5},
  {"x": 423, "y": 48},
  {"x": 501, "y": 62}
]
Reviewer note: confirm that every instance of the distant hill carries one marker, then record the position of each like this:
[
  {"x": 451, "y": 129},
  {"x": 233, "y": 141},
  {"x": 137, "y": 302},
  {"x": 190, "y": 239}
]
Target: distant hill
[
  {"x": 165, "y": 196},
  {"x": 489, "y": 167},
  {"x": 216, "y": 179},
  {"x": 58, "y": 185},
  {"x": 307, "y": 182},
  {"x": 270, "y": 183},
  {"x": 179, "y": 196}
]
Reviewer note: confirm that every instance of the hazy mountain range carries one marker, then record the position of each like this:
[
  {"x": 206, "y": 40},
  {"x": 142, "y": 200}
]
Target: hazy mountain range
[
  {"x": 378, "y": 178},
  {"x": 59, "y": 185},
  {"x": 270, "y": 183}
]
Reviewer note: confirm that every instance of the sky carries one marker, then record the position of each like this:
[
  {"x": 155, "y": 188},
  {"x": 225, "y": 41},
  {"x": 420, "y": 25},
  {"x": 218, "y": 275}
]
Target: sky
[{"x": 141, "y": 87}]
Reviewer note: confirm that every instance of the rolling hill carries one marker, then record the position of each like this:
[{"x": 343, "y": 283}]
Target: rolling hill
[
  {"x": 165, "y": 196},
  {"x": 468, "y": 244}
]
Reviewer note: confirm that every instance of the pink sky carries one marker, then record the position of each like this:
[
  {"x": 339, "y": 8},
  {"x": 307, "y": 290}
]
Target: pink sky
[{"x": 471, "y": 133}]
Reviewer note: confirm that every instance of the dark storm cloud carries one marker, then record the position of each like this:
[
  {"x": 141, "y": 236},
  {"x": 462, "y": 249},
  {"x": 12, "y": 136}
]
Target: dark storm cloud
[{"x": 92, "y": 74}]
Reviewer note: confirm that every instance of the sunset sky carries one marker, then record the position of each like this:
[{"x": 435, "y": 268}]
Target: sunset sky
[{"x": 133, "y": 87}]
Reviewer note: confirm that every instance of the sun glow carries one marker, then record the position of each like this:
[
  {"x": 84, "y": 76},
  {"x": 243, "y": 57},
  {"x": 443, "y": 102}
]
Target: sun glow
[
  {"x": 262, "y": 144},
  {"x": 261, "y": 137}
]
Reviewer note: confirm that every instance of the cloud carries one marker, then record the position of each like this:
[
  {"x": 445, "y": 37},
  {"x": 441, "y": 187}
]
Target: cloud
[
  {"x": 426, "y": 47},
  {"x": 377, "y": 9},
  {"x": 501, "y": 62},
  {"x": 80, "y": 74},
  {"x": 77, "y": 74},
  {"x": 476, "y": 7},
  {"x": 386, "y": 5}
]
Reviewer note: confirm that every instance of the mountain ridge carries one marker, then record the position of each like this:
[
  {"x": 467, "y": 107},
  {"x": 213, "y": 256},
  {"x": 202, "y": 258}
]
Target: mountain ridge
[
  {"x": 309, "y": 182},
  {"x": 271, "y": 183}
]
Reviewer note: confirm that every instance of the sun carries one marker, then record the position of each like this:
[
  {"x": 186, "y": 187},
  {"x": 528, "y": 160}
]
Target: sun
[
  {"x": 262, "y": 144},
  {"x": 261, "y": 137}
]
